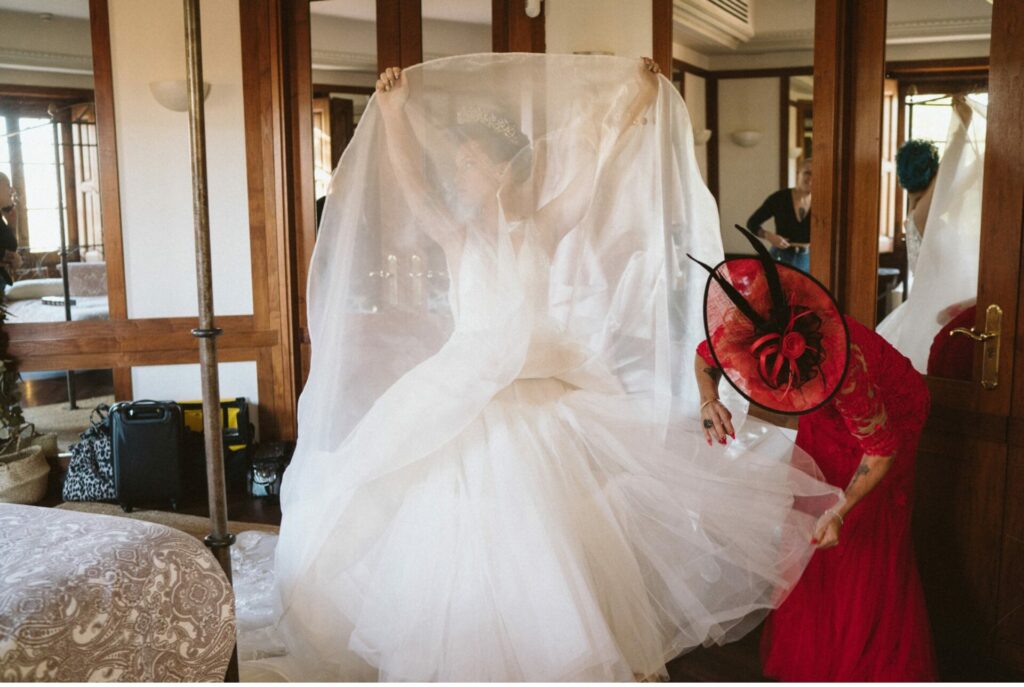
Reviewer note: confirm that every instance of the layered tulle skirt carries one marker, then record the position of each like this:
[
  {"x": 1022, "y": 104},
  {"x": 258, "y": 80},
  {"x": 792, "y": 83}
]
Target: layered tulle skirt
[{"x": 557, "y": 537}]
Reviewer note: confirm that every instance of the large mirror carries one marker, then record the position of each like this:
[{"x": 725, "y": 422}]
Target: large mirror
[
  {"x": 749, "y": 96},
  {"x": 343, "y": 81},
  {"x": 49, "y": 191},
  {"x": 54, "y": 250},
  {"x": 933, "y": 147}
]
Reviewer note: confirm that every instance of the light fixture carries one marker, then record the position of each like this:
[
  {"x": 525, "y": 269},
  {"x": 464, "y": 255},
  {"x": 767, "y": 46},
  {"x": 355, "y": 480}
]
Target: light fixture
[
  {"x": 701, "y": 137},
  {"x": 173, "y": 93},
  {"x": 795, "y": 152},
  {"x": 533, "y": 8},
  {"x": 746, "y": 138}
]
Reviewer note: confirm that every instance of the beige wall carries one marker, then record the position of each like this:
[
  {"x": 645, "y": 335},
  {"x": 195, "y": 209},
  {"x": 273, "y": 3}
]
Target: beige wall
[
  {"x": 622, "y": 29},
  {"x": 696, "y": 104},
  {"x": 746, "y": 175}
]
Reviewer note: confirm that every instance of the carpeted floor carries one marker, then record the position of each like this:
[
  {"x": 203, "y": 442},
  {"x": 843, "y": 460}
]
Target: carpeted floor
[
  {"x": 194, "y": 525},
  {"x": 68, "y": 424}
]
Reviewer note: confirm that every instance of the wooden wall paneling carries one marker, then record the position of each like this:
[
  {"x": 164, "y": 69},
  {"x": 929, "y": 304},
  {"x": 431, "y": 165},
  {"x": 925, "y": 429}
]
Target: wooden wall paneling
[
  {"x": 1003, "y": 158},
  {"x": 158, "y": 333},
  {"x": 513, "y": 31},
  {"x": 957, "y": 516},
  {"x": 661, "y": 15},
  {"x": 341, "y": 115},
  {"x": 970, "y": 474},
  {"x": 849, "y": 68},
  {"x": 1002, "y": 207},
  {"x": 266, "y": 134},
  {"x": 711, "y": 117},
  {"x": 784, "y": 142},
  {"x": 109, "y": 181},
  {"x": 681, "y": 66},
  {"x": 1010, "y": 616},
  {"x": 302, "y": 206},
  {"x": 399, "y": 33},
  {"x": 763, "y": 73}
]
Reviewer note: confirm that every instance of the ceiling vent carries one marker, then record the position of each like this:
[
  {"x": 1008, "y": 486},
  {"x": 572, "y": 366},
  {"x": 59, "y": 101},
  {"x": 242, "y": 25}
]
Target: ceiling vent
[{"x": 725, "y": 23}]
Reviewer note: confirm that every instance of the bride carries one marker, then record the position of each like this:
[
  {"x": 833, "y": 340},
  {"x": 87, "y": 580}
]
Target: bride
[{"x": 494, "y": 479}]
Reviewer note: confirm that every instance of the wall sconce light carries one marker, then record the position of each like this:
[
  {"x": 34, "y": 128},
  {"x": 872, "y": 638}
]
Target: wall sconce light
[
  {"x": 701, "y": 137},
  {"x": 533, "y": 8},
  {"x": 795, "y": 152},
  {"x": 746, "y": 138},
  {"x": 173, "y": 93}
]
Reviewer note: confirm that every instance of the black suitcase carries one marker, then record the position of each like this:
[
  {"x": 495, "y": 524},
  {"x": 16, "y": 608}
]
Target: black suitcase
[{"x": 146, "y": 437}]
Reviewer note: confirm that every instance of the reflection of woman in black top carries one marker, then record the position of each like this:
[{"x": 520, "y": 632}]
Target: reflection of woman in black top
[{"x": 791, "y": 210}]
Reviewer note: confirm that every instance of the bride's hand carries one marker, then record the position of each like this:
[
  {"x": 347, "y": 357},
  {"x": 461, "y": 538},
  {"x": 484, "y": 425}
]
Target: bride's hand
[
  {"x": 391, "y": 82},
  {"x": 651, "y": 66}
]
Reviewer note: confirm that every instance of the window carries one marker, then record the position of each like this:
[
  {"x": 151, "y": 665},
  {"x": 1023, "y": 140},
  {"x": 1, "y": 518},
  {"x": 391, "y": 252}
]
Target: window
[{"x": 28, "y": 158}]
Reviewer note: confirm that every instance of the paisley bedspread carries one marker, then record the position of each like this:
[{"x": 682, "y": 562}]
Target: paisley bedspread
[{"x": 88, "y": 597}]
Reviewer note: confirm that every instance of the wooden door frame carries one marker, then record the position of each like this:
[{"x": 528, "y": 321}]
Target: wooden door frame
[
  {"x": 849, "y": 67},
  {"x": 963, "y": 525},
  {"x": 513, "y": 31}
]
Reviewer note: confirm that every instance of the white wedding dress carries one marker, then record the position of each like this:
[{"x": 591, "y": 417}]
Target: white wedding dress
[{"x": 494, "y": 479}]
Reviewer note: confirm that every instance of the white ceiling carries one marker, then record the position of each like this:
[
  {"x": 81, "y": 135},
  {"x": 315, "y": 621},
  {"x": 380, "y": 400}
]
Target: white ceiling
[
  {"x": 77, "y": 9},
  {"x": 464, "y": 11},
  {"x": 787, "y": 25}
]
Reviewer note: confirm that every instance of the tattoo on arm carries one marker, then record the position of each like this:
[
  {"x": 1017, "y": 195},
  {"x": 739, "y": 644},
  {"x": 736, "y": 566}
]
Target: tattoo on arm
[
  {"x": 861, "y": 471},
  {"x": 714, "y": 373}
]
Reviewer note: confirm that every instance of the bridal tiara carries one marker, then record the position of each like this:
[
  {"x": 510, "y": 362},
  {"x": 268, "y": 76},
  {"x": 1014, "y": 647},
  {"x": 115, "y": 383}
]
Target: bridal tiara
[{"x": 500, "y": 125}]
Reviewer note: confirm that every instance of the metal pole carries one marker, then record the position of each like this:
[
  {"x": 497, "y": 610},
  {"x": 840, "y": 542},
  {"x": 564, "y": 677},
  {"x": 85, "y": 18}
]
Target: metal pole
[
  {"x": 219, "y": 540},
  {"x": 70, "y": 374}
]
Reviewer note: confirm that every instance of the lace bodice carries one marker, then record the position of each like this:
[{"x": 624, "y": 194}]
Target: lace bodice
[{"x": 913, "y": 243}]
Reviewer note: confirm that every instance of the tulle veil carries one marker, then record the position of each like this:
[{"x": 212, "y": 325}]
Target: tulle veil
[{"x": 501, "y": 217}]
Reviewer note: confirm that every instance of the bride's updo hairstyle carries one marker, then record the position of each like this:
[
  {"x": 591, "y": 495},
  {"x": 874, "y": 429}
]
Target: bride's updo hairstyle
[{"x": 917, "y": 161}]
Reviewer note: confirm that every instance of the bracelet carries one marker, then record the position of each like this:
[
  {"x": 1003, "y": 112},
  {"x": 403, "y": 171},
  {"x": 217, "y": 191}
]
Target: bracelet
[
  {"x": 705, "y": 404},
  {"x": 835, "y": 514}
]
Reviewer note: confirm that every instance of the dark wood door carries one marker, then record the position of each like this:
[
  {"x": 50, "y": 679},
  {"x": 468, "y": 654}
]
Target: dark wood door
[
  {"x": 969, "y": 514},
  {"x": 969, "y": 508}
]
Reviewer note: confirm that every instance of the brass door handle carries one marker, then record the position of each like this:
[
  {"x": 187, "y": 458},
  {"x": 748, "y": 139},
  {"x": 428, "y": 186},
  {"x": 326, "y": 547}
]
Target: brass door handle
[
  {"x": 974, "y": 334},
  {"x": 990, "y": 340}
]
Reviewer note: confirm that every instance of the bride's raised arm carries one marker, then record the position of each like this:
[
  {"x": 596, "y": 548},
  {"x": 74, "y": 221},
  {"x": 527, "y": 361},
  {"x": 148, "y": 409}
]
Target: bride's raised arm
[
  {"x": 402, "y": 145},
  {"x": 567, "y": 209}
]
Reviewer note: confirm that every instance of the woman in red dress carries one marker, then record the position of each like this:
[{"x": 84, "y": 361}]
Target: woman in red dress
[{"x": 858, "y": 612}]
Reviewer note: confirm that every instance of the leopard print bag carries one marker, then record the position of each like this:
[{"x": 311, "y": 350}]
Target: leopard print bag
[{"x": 90, "y": 475}]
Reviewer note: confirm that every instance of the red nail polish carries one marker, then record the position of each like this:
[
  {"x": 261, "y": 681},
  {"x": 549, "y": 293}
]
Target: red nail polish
[
  {"x": 722, "y": 441},
  {"x": 709, "y": 442},
  {"x": 814, "y": 541}
]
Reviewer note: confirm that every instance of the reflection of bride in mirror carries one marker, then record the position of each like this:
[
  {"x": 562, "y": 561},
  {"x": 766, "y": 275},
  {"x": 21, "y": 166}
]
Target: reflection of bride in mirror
[{"x": 943, "y": 228}]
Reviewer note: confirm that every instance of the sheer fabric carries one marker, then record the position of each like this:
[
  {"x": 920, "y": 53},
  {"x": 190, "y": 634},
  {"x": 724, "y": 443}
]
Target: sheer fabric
[
  {"x": 494, "y": 478},
  {"x": 945, "y": 273}
]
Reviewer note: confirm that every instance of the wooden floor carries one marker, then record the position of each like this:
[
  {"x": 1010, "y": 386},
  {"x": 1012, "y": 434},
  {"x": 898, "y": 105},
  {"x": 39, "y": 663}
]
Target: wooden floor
[
  {"x": 88, "y": 384},
  {"x": 736, "y": 662}
]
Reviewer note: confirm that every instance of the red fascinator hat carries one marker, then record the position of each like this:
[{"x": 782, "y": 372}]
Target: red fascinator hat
[{"x": 776, "y": 333}]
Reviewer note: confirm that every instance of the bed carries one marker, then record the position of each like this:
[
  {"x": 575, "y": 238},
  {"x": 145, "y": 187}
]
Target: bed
[
  {"x": 87, "y": 597},
  {"x": 87, "y": 284},
  {"x": 34, "y": 310}
]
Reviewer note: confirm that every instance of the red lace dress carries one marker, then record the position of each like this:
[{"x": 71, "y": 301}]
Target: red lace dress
[{"x": 858, "y": 613}]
